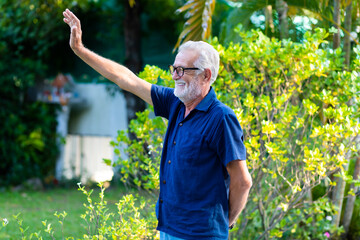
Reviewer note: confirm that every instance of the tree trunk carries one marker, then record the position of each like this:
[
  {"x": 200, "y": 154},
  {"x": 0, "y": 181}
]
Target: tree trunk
[
  {"x": 347, "y": 41},
  {"x": 133, "y": 60},
  {"x": 351, "y": 199},
  {"x": 336, "y": 18},
  {"x": 269, "y": 22},
  {"x": 338, "y": 194},
  {"x": 282, "y": 9}
]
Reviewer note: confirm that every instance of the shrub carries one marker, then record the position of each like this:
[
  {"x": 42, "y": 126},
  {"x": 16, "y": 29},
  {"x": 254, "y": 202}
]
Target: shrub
[
  {"x": 299, "y": 112},
  {"x": 131, "y": 221},
  {"x": 126, "y": 224},
  {"x": 31, "y": 40},
  {"x": 293, "y": 101},
  {"x": 27, "y": 143}
]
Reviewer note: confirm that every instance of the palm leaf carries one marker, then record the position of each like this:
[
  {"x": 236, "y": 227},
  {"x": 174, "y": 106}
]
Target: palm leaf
[
  {"x": 199, "y": 15},
  {"x": 188, "y": 5},
  {"x": 199, "y": 19}
]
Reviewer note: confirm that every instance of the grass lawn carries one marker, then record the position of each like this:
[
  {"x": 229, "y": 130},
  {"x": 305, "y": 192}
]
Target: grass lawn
[{"x": 36, "y": 207}]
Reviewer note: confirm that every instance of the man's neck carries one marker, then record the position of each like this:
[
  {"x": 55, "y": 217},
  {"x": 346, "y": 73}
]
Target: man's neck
[{"x": 191, "y": 105}]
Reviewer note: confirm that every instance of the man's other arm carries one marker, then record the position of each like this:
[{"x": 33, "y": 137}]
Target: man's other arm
[
  {"x": 240, "y": 184},
  {"x": 111, "y": 70}
]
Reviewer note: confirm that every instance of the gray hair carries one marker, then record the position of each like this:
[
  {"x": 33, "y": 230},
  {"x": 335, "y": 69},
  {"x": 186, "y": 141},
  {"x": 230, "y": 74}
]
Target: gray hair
[{"x": 208, "y": 56}]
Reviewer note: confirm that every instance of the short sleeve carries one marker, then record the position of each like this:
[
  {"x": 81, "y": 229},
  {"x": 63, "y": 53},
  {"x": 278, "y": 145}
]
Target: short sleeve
[
  {"x": 229, "y": 139},
  {"x": 162, "y": 98}
]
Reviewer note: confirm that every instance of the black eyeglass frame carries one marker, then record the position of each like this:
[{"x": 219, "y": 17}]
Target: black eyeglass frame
[{"x": 180, "y": 70}]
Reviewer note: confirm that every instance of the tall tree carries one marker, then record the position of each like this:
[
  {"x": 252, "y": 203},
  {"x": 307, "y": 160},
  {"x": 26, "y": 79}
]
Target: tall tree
[
  {"x": 337, "y": 24},
  {"x": 269, "y": 22},
  {"x": 133, "y": 59},
  {"x": 347, "y": 40},
  {"x": 349, "y": 208},
  {"x": 282, "y": 10},
  {"x": 338, "y": 194}
]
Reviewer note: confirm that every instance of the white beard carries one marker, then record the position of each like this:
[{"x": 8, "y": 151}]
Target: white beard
[{"x": 187, "y": 92}]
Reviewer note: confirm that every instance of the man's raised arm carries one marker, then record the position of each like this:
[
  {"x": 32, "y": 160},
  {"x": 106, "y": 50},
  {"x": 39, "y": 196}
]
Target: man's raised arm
[{"x": 111, "y": 70}]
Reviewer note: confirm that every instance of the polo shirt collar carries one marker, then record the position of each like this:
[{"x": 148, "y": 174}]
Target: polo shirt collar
[{"x": 207, "y": 101}]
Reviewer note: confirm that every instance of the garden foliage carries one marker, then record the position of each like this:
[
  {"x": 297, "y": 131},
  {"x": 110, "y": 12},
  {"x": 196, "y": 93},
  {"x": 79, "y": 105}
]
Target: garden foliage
[
  {"x": 131, "y": 220},
  {"x": 299, "y": 113},
  {"x": 30, "y": 35},
  {"x": 127, "y": 223},
  {"x": 33, "y": 47},
  {"x": 28, "y": 128}
]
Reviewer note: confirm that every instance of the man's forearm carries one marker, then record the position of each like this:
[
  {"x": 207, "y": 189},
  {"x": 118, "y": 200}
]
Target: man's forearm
[
  {"x": 116, "y": 73},
  {"x": 240, "y": 184},
  {"x": 238, "y": 196},
  {"x": 106, "y": 67}
]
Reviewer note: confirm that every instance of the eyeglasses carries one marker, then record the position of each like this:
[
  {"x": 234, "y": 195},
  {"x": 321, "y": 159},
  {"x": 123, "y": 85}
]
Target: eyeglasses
[{"x": 180, "y": 70}]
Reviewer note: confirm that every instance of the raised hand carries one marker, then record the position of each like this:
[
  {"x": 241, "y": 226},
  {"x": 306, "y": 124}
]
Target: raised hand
[
  {"x": 75, "y": 26},
  {"x": 111, "y": 70}
]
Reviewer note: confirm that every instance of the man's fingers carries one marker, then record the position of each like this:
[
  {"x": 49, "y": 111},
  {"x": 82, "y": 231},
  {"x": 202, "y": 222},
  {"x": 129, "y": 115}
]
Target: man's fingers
[
  {"x": 74, "y": 24},
  {"x": 71, "y": 19},
  {"x": 67, "y": 18}
]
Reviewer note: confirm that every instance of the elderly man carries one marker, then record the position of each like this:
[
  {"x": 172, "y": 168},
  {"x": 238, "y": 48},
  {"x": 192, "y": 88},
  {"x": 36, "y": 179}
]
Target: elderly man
[{"x": 204, "y": 180}]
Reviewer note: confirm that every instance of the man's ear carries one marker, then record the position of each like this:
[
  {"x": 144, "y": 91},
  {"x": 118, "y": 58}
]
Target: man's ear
[{"x": 207, "y": 74}]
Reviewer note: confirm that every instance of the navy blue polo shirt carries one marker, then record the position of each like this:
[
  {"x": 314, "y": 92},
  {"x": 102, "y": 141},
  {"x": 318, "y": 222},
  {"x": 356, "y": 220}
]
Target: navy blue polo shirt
[{"x": 194, "y": 183}]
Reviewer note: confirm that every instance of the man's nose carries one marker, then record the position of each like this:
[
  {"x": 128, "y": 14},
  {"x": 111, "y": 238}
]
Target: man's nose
[{"x": 175, "y": 75}]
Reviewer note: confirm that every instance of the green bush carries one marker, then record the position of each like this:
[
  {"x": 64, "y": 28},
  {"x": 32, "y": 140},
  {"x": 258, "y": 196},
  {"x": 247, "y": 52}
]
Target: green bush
[
  {"x": 28, "y": 136},
  {"x": 299, "y": 112},
  {"x": 27, "y": 143},
  {"x": 29, "y": 32},
  {"x": 293, "y": 101},
  {"x": 132, "y": 221},
  {"x": 128, "y": 223}
]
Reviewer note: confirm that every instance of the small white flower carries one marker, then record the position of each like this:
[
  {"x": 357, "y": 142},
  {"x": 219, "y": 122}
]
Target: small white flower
[
  {"x": 5, "y": 221},
  {"x": 353, "y": 36},
  {"x": 329, "y": 218},
  {"x": 79, "y": 184}
]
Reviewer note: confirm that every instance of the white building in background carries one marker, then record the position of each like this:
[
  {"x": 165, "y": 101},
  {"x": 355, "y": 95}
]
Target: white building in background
[{"x": 91, "y": 127}]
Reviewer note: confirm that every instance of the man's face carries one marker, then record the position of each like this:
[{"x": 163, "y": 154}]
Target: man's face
[{"x": 187, "y": 87}]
